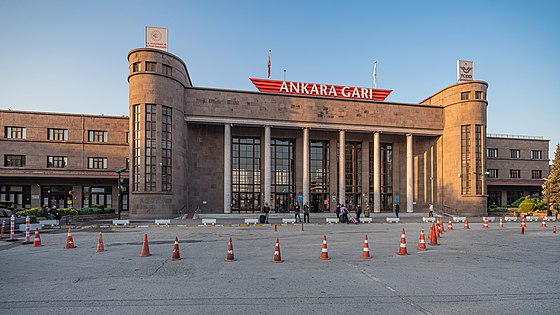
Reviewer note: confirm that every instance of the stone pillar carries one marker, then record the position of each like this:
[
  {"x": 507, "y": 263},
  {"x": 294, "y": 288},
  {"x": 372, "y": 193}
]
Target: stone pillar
[
  {"x": 305, "y": 165},
  {"x": 267, "y": 166},
  {"x": 227, "y": 168},
  {"x": 341, "y": 164},
  {"x": 409, "y": 175},
  {"x": 376, "y": 173}
]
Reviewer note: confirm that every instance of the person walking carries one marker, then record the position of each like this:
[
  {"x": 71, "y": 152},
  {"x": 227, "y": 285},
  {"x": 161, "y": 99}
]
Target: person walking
[
  {"x": 397, "y": 208},
  {"x": 358, "y": 212},
  {"x": 345, "y": 214},
  {"x": 366, "y": 211},
  {"x": 337, "y": 211},
  {"x": 297, "y": 212},
  {"x": 431, "y": 210},
  {"x": 306, "y": 213},
  {"x": 266, "y": 211}
]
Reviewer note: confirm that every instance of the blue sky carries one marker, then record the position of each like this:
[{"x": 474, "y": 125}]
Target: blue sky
[{"x": 70, "y": 56}]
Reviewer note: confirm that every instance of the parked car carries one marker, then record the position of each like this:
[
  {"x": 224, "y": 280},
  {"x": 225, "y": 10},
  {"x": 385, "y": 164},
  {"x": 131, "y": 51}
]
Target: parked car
[{"x": 5, "y": 215}]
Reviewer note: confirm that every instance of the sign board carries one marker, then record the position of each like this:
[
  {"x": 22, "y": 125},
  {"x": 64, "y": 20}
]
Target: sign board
[
  {"x": 323, "y": 90},
  {"x": 465, "y": 70},
  {"x": 156, "y": 37}
]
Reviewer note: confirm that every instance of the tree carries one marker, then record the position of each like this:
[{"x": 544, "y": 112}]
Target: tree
[{"x": 552, "y": 185}]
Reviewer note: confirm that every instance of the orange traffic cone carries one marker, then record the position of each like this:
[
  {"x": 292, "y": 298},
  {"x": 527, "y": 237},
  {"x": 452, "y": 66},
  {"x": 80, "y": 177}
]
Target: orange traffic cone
[
  {"x": 422, "y": 241},
  {"x": 466, "y": 224},
  {"x": 145, "y": 248},
  {"x": 324, "y": 249},
  {"x": 501, "y": 223},
  {"x": 554, "y": 230},
  {"x": 433, "y": 238},
  {"x": 69, "y": 240},
  {"x": 523, "y": 225},
  {"x": 230, "y": 256},
  {"x": 277, "y": 257},
  {"x": 485, "y": 225},
  {"x": 100, "y": 247},
  {"x": 449, "y": 226},
  {"x": 436, "y": 228},
  {"x": 543, "y": 224},
  {"x": 365, "y": 252},
  {"x": 37, "y": 239},
  {"x": 522, "y": 230},
  {"x": 175, "y": 255},
  {"x": 442, "y": 229},
  {"x": 402, "y": 247}
]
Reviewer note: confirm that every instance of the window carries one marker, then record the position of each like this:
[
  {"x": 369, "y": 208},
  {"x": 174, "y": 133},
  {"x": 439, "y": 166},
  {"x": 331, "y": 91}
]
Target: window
[
  {"x": 536, "y": 154},
  {"x": 97, "y": 136},
  {"x": 166, "y": 127},
  {"x": 515, "y": 153},
  {"x": 492, "y": 153},
  {"x": 466, "y": 160},
  {"x": 166, "y": 69},
  {"x": 57, "y": 161},
  {"x": 57, "y": 134},
  {"x": 465, "y": 96},
  {"x": 353, "y": 173},
  {"x": 136, "y": 157},
  {"x": 136, "y": 67},
  {"x": 478, "y": 158},
  {"x": 127, "y": 137},
  {"x": 150, "y": 66},
  {"x": 479, "y": 95},
  {"x": 19, "y": 195},
  {"x": 97, "y": 162},
  {"x": 150, "y": 167},
  {"x": 246, "y": 174},
  {"x": 14, "y": 132},
  {"x": 536, "y": 174},
  {"x": 514, "y": 173},
  {"x": 101, "y": 195},
  {"x": 14, "y": 160},
  {"x": 492, "y": 173}
]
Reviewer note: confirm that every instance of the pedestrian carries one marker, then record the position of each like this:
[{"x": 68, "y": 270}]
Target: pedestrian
[
  {"x": 366, "y": 211},
  {"x": 266, "y": 211},
  {"x": 358, "y": 212},
  {"x": 306, "y": 213},
  {"x": 297, "y": 211},
  {"x": 431, "y": 210},
  {"x": 337, "y": 211},
  {"x": 345, "y": 214},
  {"x": 397, "y": 208}
]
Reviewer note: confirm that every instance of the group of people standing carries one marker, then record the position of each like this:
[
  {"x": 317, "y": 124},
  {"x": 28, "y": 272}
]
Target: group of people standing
[{"x": 297, "y": 212}]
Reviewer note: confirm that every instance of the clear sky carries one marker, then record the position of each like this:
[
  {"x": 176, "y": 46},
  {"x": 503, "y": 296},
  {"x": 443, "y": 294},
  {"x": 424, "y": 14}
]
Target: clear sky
[{"x": 70, "y": 56}]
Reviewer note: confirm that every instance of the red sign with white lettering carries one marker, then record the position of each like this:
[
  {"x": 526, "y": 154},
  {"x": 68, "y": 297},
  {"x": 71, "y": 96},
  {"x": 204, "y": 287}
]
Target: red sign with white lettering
[{"x": 325, "y": 90}]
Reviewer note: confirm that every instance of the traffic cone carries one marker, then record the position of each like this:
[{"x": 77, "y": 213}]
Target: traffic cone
[
  {"x": 554, "y": 230},
  {"x": 70, "y": 240},
  {"x": 100, "y": 247},
  {"x": 441, "y": 226},
  {"x": 485, "y": 225},
  {"x": 365, "y": 252},
  {"x": 523, "y": 225},
  {"x": 543, "y": 224},
  {"x": 433, "y": 238},
  {"x": 37, "y": 239},
  {"x": 324, "y": 249},
  {"x": 302, "y": 227},
  {"x": 277, "y": 257},
  {"x": 230, "y": 256},
  {"x": 422, "y": 241},
  {"x": 175, "y": 255},
  {"x": 449, "y": 226},
  {"x": 27, "y": 231},
  {"x": 501, "y": 223},
  {"x": 522, "y": 230},
  {"x": 3, "y": 228},
  {"x": 436, "y": 229},
  {"x": 402, "y": 247},
  {"x": 466, "y": 224},
  {"x": 145, "y": 248}
]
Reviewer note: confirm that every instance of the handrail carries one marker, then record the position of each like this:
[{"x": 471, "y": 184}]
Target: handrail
[{"x": 499, "y": 135}]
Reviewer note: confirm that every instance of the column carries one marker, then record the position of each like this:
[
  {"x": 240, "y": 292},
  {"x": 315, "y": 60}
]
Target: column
[
  {"x": 305, "y": 165},
  {"x": 227, "y": 168},
  {"x": 409, "y": 175},
  {"x": 267, "y": 168},
  {"x": 376, "y": 173},
  {"x": 341, "y": 171}
]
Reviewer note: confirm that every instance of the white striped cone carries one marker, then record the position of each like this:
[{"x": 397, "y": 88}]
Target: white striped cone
[
  {"x": 402, "y": 247},
  {"x": 485, "y": 226},
  {"x": 365, "y": 252},
  {"x": 543, "y": 224},
  {"x": 501, "y": 223},
  {"x": 449, "y": 226},
  {"x": 324, "y": 249},
  {"x": 27, "y": 227}
]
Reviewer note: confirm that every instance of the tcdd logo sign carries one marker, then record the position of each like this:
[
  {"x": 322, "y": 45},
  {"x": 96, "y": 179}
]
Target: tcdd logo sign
[{"x": 465, "y": 70}]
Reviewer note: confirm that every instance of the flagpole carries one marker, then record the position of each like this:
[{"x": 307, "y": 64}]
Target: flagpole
[
  {"x": 375, "y": 74},
  {"x": 268, "y": 64}
]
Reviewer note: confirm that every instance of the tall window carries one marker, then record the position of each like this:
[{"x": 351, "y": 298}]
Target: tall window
[
  {"x": 478, "y": 158},
  {"x": 492, "y": 173},
  {"x": 386, "y": 168},
  {"x": 97, "y": 136},
  {"x": 466, "y": 160},
  {"x": 136, "y": 157},
  {"x": 246, "y": 174},
  {"x": 57, "y": 134},
  {"x": 14, "y": 160},
  {"x": 97, "y": 162},
  {"x": 14, "y": 132},
  {"x": 515, "y": 153},
  {"x": 57, "y": 161},
  {"x": 353, "y": 173},
  {"x": 536, "y": 154},
  {"x": 514, "y": 173},
  {"x": 283, "y": 173},
  {"x": 319, "y": 166},
  {"x": 536, "y": 174},
  {"x": 492, "y": 153},
  {"x": 166, "y": 125},
  {"x": 150, "y": 169}
]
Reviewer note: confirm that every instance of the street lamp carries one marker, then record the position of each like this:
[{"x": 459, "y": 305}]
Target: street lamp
[{"x": 120, "y": 186}]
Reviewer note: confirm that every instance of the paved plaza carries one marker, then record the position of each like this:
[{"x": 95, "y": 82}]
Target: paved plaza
[{"x": 476, "y": 271}]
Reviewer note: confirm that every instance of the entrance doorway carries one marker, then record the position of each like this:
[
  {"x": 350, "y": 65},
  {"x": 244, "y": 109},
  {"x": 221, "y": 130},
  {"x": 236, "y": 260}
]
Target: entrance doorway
[
  {"x": 283, "y": 202},
  {"x": 317, "y": 202},
  {"x": 59, "y": 196}
]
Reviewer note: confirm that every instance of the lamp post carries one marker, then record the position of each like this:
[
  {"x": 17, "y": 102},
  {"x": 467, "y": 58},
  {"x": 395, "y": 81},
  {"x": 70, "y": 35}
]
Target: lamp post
[{"x": 120, "y": 187}]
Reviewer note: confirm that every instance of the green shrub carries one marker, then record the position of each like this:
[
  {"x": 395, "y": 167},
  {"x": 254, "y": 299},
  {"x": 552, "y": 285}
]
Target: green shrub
[
  {"x": 30, "y": 212},
  {"x": 102, "y": 207},
  {"x": 67, "y": 211},
  {"x": 517, "y": 202},
  {"x": 527, "y": 205},
  {"x": 498, "y": 209},
  {"x": 7, "y": 204}
]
